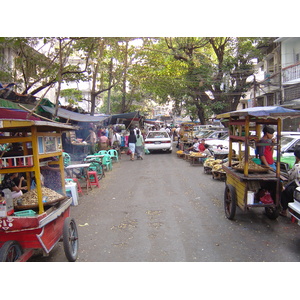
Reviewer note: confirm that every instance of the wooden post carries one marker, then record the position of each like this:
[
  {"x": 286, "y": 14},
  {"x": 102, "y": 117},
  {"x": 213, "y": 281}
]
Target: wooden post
[{"x": 36, "y": 166}]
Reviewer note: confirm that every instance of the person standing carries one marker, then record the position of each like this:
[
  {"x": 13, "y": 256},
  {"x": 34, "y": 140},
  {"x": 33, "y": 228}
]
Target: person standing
[
  {"x": 139, "y": 145},
  {"x": 110, "y": 135},
  {"x": 131, "y": 143},
  {"x": 103, "y": 142},
  {"x": 92, "y": 140},
  {"x": 265, "y": 151}
]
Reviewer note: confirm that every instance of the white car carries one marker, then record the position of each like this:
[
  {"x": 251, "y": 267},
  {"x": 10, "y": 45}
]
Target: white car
[
  {"x": 294, "y": 207},
  {"x": 211, "y": 134},
  {"x": 223, "y": 144},
  {"x": 158, "y": 140}
]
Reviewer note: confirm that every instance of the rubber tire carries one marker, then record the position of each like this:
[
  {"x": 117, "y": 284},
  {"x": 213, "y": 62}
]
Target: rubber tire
[
  {"x": 272, "y": 212},
  {"x": 70, "y": 239},
  {"x": 229, "y": 201},
  {"x": 10, "y": 251}
]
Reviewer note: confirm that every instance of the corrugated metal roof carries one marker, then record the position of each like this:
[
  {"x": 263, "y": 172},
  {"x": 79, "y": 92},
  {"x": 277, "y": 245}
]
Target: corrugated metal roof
[{"x": 70, "y": 115}]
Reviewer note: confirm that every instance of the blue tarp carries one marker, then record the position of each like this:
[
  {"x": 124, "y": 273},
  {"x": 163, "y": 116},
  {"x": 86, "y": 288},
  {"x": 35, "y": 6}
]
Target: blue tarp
[{"x": 263, "y": 111}]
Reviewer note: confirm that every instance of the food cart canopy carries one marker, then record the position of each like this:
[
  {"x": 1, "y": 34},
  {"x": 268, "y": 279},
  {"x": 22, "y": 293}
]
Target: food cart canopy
[
  {"x": 15, "y": 125},
  {"x": 263, "y": 111},
  {"x": 71, "y": 115},
  {"x": 129, "y": 116}
]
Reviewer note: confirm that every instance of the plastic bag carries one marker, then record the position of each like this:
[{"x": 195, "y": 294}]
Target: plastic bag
[
  {"x": 266, "y": 198},
  {"x": 128, "y": 152}
]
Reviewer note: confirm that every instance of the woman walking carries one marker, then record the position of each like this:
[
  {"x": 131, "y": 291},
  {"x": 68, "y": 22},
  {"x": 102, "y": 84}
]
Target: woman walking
[
  {"x": 139, "y": 146},
  {"x": 131, "y": 143}
]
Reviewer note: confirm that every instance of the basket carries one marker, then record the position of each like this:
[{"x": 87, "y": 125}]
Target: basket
[{"x": 25, "y": 213}]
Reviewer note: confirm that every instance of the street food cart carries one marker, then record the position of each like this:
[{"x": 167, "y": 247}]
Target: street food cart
[
  {"x": 249, "y": 185},
  {"x": 37, "y": 220},
  {"x": 188, "y": 133}
]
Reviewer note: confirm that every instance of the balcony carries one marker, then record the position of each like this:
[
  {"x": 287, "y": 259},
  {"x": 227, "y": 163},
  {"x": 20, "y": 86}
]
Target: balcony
[{"x": 291, "y": 74}]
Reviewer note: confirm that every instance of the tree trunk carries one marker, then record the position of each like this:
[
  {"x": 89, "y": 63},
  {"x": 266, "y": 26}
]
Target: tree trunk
[
  {"x": 59, "y": 78},
  {"x": 123, "y": 106},
  {"x": 93, "y": 91}
]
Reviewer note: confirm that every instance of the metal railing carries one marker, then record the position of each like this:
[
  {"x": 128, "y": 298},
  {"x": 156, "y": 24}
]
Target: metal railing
[{"x": 291, "y": 73}]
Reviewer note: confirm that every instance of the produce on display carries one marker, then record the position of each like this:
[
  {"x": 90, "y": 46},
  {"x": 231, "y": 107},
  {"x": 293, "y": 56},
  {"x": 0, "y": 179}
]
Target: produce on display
[
  {"x": 197, "y": 154},
  {"x": 31, "y": 199},
  {"x": 252, "y": 166}
]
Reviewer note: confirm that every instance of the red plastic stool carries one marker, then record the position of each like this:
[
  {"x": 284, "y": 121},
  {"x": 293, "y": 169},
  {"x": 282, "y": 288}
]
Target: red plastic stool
[
  {"x": 78, "y": 186},
  {"x": 92, "y": 179}
]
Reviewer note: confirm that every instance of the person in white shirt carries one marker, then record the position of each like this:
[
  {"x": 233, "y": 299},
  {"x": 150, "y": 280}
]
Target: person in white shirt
[
  {"x": 195, "y": 147},
  {"x": 116, "y": 140}
]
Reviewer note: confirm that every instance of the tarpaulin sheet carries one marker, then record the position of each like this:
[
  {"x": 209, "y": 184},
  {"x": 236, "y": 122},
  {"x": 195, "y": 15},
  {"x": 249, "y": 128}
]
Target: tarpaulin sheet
[
  {"x": 263, "y": 111},
  {"x": 16, "y": 114},
  {"x": 71, "y": 115}
]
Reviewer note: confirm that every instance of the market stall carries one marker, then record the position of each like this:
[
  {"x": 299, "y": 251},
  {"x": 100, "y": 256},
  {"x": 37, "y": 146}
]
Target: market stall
[
  {"x": 249, "y": 184},
  {"x": 37, "y": 219}
]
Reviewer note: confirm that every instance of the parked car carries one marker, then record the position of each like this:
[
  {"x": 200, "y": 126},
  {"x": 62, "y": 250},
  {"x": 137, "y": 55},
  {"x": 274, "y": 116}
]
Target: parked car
[
  {"x": 223, "y": 144},
  {"x": 211, "y": 134},
  {"x": 288, "y": 146},
  {"x": 158, "y": 140},
  {"x": 294, "y": 207}
]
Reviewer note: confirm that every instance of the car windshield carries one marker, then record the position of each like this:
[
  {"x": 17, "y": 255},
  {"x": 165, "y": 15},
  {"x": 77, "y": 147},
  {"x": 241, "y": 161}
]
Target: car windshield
[
  {"x": 204, "y": 133},
  {"x": 289, "y": 143},
  {"x": 157, "y": 134},
  {"x": 285, "y": 140},
  {"x": 224, "y": 137}
]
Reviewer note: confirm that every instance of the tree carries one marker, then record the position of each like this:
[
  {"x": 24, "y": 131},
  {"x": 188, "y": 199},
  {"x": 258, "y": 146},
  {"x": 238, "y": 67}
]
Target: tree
[{"x": 213, "y": 74}]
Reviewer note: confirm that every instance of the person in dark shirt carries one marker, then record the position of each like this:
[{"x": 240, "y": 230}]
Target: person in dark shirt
[
  {"x": 8, "y": 182},
  {"x": 131, "y": 143}
]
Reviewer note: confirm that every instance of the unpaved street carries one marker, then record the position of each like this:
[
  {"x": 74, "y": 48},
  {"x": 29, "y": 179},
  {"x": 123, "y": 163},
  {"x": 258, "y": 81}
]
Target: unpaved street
[{"x": 163, "y": 209}]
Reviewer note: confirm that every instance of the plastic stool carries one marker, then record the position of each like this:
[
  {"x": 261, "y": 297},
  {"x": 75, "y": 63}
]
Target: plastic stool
[
  {"x": 78, "y": 185},
  {"x": 92, "y": 179}
]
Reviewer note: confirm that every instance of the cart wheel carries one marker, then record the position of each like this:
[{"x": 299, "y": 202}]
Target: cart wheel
[
  {"x": 230, "y": 201},
  {"x": 272, "y": 212},
  {"x": 70, "y": 239},
  {"x": 10, "y": 251}
]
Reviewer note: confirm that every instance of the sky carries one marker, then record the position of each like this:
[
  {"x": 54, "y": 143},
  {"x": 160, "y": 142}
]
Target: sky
[{"x": 155, "y": 18}]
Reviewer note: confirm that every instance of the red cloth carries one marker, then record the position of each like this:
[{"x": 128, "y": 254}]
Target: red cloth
[
  {"x": 269, "y": 154},
  {"x": 17, "y": 114},
  {"x": 201, "y": 147}
]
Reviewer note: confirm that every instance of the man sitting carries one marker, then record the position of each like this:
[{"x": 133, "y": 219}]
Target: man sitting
[{"x": 195, "y": 147}]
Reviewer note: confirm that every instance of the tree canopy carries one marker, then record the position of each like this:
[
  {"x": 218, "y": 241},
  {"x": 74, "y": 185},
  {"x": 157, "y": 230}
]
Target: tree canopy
[{"x": 201, "y": 75}]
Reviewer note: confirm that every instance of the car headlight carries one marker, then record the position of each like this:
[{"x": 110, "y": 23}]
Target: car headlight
[{"x": 297, "y": 194}]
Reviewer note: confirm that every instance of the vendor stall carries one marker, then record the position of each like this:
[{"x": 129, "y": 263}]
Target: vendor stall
[
  {"x": 249, "y": 184},
  {"x": 39, "y": 218}
]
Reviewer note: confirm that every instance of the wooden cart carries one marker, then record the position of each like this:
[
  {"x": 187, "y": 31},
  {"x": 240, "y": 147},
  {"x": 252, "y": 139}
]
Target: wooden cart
[
  {"x": 245, "y": 187},
  {"x": 25, "y": 232}
]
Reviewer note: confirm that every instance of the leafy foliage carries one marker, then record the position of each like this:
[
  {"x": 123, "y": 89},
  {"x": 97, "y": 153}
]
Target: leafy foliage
[{"x": 201, "y": 75}]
